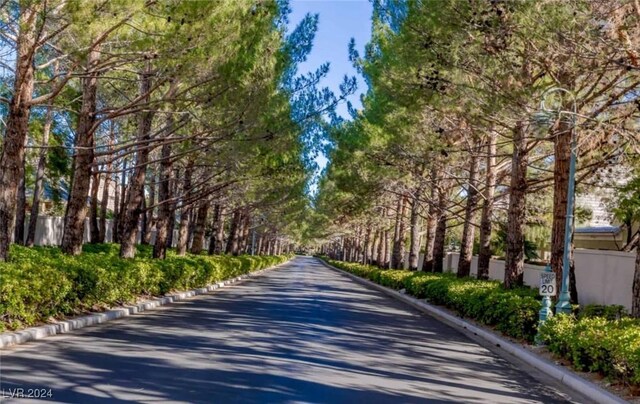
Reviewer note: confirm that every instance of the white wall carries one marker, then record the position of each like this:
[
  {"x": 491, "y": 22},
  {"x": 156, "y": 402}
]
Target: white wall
[
  {"x": 49, "y": 231},
  {"x": 445, "y": 261},
  {"x": 602, "y": 277}
]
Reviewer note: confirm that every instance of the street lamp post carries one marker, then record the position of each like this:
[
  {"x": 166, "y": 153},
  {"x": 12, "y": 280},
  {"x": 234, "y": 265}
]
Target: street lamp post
[{"x": 564, "y": 300}]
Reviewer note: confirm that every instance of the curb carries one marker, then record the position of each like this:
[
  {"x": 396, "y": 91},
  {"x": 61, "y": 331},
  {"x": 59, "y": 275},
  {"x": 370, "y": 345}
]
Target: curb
[
  {"x": 564, "y": 376},
  {"x": 8, "y": 339}
]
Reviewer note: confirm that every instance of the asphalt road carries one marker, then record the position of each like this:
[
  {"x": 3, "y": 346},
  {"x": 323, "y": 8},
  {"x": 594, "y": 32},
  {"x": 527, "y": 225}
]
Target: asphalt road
[{"x": 302, "y": 333}]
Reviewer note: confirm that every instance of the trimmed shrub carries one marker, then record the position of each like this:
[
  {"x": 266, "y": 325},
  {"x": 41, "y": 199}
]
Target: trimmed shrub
[
  {"x": 394, "y": 278},
  {"x": 602, "y": 339},
  {"x": 612, "y": 312},
  {"x": 41, "y": 282},
  {"x": 514, "y": 312},
  {"x": 596, "y": 344}
]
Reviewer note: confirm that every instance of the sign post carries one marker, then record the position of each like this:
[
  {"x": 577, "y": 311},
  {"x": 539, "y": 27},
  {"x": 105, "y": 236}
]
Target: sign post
[
  {"x": 548, "y": 283},
  {"x": 548, "y": 288}
]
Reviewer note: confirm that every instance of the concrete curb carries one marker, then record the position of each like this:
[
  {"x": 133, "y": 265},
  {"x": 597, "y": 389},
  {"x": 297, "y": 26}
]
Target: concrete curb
[
  {"x": 8, "y": 339},
  {"x": 563, "y": 375}
]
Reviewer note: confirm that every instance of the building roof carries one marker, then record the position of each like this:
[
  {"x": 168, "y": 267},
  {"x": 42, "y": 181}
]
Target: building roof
[{"x": 598, "y": 230}]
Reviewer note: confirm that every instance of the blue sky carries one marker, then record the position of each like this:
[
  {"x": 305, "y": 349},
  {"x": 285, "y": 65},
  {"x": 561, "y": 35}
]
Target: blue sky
[{"x": 339, "y": 21}]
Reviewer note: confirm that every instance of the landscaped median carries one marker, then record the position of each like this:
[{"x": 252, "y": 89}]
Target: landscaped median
[
  {"x": 41, "y": 283},
  {"x": 595, "y": 340}
]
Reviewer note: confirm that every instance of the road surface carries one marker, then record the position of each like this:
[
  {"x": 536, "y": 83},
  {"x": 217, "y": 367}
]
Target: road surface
[{"x": 299, "y": 334}]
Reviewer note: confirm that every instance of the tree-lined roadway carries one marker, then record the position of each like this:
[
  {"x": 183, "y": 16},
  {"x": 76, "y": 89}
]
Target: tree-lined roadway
[{"x": 302, "y": 333}]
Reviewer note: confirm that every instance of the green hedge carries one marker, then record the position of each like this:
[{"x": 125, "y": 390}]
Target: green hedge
[
  {"x": 39, "y": 283},
  {"x": 597, "y": 344},
  {"x": 601, "y": 339},
  {"x": 514, "y": 312}
]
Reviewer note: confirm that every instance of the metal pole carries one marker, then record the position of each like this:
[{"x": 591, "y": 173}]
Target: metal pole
[
  {"x": 545, "y": 312},
  {"x": 564, "y": 300}
]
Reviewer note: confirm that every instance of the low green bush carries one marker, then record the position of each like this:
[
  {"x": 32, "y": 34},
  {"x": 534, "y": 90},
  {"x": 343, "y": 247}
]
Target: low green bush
[
  {"x": 514, "y": 312},
  {"x": 394, "y": 278},
  {"x": 597, "y": 344},
  {"x": 611, "y": 312},
  {"x": 601, "y": 339},
  {"x": 40, "y": 282}
]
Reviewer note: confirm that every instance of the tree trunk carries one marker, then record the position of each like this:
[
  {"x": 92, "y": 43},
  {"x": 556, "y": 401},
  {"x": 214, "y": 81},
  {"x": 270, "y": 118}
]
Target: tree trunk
[
  {"x": 355, "y": 250},
  {"x": 164, "y": 195},
  {"x": 396, "y": 235},
  {"x": 201, "y": 222},
  {"x": 245, "y": 231},
  {"x": 466, "y": 245},
  {"x": 440, "y": 239},
  {"x": 76, "y": 213},
  {"x": 484, "y": 257},
  {"x": 191, "y": 228},
  {"x": 439, "y": 244},
  {"x": 272, "y": 245},
  {"x": 136, "y": 183},
  {"x": 38, "y": 186},
  {"x": 358, "y": 246},
  {"x": 232, "y": 242},
  {"x": 373, "y": 255},
  {"x": 183, "y": 231},
  {"x": 251, "y": 242},
  {"x": 123, "y": 202},
  {"x": 17, "y": 127},
  {"x": 94, "y": 230},
  {"x": 142, "y": 219},
  {"x": 562, "y": 157},
  {"x": 432, "y": 221},
  {"x": 104, "y": 203},
  {"x": 387, "y": 250},
  {"x": 414, "y": 245},
  {"x": 241, "y": 227},
  {"x": 366, "y": 256},
  {"x": 151, "y": 221},
  {"x": 259, "y": 246},
  {"x": 171, "y": 228},
  {"x": 21, "y": 204},
  {"x": 514, "y": 260},
  {"x": 635, "y": 300},
  {"x": 219, "y": 233},
  {"x": 116, "y": 211},
  {"x": 397, "y": 257},
  {"x": 185, "y": 213},
  {"x": 172, "y": 219},
  {"x": 214, "y": 228},
  {"x": 380, "y": 257},
  {"x": 573, "y": 287}
]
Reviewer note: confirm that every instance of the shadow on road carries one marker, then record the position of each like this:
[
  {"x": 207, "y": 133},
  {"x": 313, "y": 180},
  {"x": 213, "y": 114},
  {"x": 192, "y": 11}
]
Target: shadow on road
[{"x": 302, "y": 333}]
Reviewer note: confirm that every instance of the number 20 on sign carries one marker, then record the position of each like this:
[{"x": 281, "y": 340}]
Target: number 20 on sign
[{"x": 548, "y": 284}]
